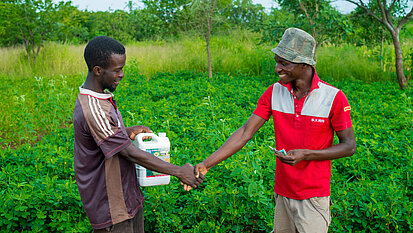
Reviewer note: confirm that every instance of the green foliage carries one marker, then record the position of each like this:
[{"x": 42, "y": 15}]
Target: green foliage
[
  {"x": 244, "y": 13},
  {"x": 28, "y": 22},
  {"x": 329, "y": 27},
  {"x": 236, "y": 52},
  {"x": 319, "y": 18},
  {"x": 360, "y": 63},
  {"x": 393, "y": 15},
  {"x": 170, "y": 17},
  {"x": 374, "y": 186},
  {"x": 115, "y": 25},
  {"x": 367, "y": 30},
  {"x": 63, "y": 22},
  {"x": 36, "y": 106},
  {"x": 39, "y": 193},
  {"x": 371, "y": 190},
  {"x": 274, "y": 24}
]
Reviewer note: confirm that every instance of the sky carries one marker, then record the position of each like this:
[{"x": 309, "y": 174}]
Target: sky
[{"x": 104, "y": 5}]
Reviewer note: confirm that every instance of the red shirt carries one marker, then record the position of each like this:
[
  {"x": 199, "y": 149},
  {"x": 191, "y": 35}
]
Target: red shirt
[{"x": 308, "y": 123}]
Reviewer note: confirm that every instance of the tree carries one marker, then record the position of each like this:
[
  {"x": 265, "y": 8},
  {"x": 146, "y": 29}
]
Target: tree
[
  {"x": 170, "y": 16},
  {"x": 204, "y": 15},
  {"x": 243, "y": 13},
  {"x": 368, "y": 31},
  {"x": 115, "y": 24},
  {"x": 393, "y": 15},
  {"x": 274, "y": 24},
  {"x": 143, "y": 23},
  {"x": 71, "y": 25},
  {"x": 30, "y": 22},
  {"x": 322, "y": 21},
  {"x": 205, "y": 10}
]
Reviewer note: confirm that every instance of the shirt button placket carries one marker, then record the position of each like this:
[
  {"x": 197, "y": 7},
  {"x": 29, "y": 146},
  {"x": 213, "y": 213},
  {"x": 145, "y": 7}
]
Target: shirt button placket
[{"x": 296, "y": 119}]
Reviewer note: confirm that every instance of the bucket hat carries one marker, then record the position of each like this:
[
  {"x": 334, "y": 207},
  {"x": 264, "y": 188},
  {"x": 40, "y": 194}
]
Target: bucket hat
[{"x": 296, "y": 46}]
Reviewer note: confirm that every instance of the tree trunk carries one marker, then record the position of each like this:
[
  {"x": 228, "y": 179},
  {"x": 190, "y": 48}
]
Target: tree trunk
[
  {"x": 208, "y": 38},
  {"x": 209, "y": 58},
  {"x": 315, "y": 51},
  {"x": 399, "y": 61},
  {"x": 382, "y": 51}
]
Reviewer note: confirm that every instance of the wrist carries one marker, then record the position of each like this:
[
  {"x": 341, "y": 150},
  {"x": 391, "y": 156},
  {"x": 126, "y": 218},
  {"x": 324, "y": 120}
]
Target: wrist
[
  {"x": 206, "y": 166},
  {"x": 177, "y": 171},
  {"x": 307, "y": 154},
  {"x": 128, "y": 130}
]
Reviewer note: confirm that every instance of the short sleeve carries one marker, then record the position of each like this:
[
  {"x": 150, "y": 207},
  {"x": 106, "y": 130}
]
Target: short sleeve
[
  {"x": 264, "y": 109},
  {"x": 105, "y": 123},
  {"x": 340, "y": 118}
]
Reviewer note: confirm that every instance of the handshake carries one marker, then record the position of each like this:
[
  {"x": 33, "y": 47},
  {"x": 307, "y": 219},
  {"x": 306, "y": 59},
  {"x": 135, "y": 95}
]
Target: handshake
[{"x": 192, "y": 177}]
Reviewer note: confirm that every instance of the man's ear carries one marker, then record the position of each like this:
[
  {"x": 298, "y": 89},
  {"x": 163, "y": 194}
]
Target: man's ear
[{"x": 97, "y": 70}]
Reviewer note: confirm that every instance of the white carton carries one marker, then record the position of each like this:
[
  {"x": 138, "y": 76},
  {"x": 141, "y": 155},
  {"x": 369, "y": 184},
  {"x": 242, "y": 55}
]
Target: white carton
[{"x": 159, "y": 146}]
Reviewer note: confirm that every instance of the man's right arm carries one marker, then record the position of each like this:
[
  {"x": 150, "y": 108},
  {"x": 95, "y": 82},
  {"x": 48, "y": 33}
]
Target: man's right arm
[
  {"x": 151, "y": 162},
  {"x": 234, "y": 143}
]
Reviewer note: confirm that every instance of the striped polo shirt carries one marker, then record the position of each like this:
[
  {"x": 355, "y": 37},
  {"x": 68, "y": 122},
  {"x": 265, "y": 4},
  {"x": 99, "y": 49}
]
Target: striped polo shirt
[
  {"x": 308, "y": 123},
  {"x": 107, "y": 182}
]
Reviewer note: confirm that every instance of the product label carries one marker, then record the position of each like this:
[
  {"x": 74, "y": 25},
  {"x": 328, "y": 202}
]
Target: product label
[{"x": 162, "y": 154}]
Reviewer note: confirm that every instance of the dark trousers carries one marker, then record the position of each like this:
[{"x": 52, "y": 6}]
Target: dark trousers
[{"x": 133, "y": 225}]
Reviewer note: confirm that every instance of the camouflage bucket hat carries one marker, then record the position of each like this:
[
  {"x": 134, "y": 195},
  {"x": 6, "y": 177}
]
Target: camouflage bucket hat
[{"x": 296, "y": 46}]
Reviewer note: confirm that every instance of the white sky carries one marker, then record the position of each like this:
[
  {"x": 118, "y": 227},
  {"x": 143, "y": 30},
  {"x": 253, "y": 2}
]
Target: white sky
[{"x": 104, "y": 5}]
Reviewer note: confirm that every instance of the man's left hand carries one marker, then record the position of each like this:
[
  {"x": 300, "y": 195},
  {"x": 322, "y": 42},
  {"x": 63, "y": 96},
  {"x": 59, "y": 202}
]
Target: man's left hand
[
  {"x": 293, "y": 156},
  {"x": 137, "y": 129}
]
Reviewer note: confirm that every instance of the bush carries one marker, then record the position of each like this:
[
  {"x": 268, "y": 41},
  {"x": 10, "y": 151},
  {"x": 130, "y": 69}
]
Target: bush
[{"x": 38, "y": 192}]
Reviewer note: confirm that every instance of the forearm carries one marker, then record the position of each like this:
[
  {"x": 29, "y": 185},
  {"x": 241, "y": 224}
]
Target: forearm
[
  {"x": 234, "y": 143},
  {"x": 149, "y": 161},
  {"x": 345, "y": 147},
  {"x": 334, "y": 152}
]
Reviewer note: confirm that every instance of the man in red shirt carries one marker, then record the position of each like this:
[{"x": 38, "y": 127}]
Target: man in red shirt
[{"x": 306, "y": 113}]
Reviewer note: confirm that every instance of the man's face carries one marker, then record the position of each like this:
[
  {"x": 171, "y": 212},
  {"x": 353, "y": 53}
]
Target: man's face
[
  {"x": 114, "y": 72},
  {"x": 286, "y": 70}
]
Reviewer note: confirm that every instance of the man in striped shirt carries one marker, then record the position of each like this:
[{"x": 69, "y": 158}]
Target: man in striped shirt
[{"x": 104, "y": 157}]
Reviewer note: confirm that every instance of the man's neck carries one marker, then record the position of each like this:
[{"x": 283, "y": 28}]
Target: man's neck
[
  {"x": 92, "y": 84},
  {"x": 301, "y": 87}
]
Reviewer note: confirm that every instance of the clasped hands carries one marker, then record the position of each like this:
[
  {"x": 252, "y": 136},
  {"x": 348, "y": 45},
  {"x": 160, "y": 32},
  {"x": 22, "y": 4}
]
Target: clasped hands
[
  {"x": 193, "y": 178},
  {"x": 199, "y": 172}
]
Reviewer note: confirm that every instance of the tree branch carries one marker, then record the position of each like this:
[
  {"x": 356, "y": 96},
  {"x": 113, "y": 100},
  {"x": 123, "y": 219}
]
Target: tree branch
[
  {"x": 368, "y": 11},
  {"x": 305, "y": 12},
  {"x": 383, "y": 11},
  {"x": 392, "y": 5},
  {"x": 405, "y": 19},
  {"x": 386, "y": 17}
]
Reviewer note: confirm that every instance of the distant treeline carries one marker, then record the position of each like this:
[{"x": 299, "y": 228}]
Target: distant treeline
[{"x": 163, "y": 19}]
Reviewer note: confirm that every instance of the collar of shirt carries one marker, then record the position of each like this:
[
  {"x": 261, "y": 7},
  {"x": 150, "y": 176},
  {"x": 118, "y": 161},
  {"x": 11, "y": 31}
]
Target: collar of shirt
[
  {"x": 314, "y": 83},
  {"x": 105, "y": 95}
]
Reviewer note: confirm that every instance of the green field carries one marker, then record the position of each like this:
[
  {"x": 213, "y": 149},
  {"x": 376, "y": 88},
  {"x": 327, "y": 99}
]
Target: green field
[
  {"x": 371, "y": 190},
  {"x": 167, "y": 87}
]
